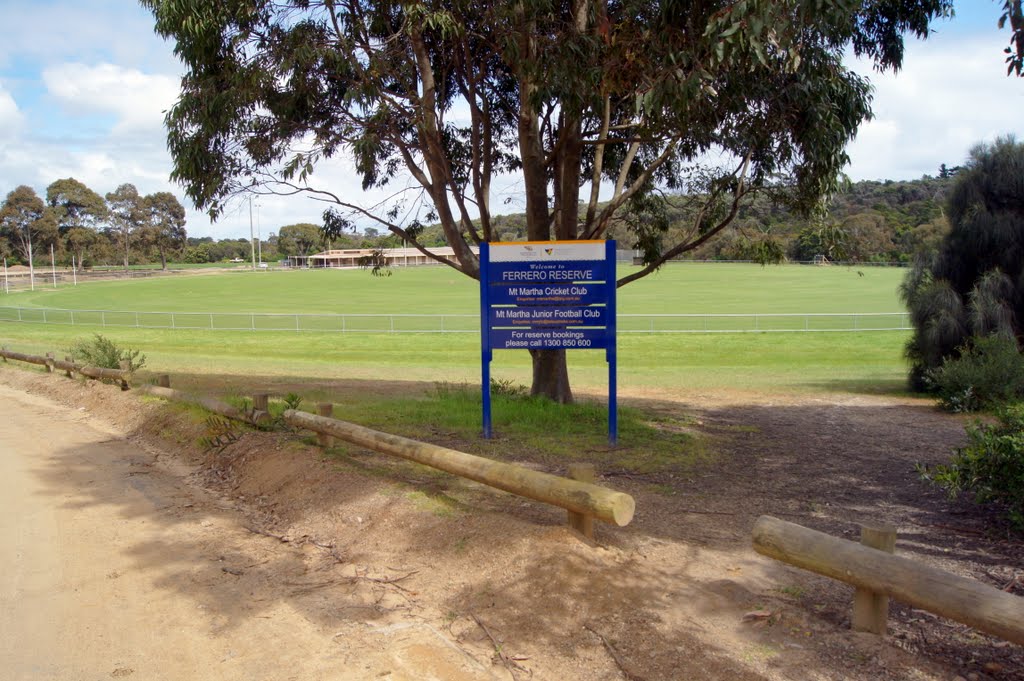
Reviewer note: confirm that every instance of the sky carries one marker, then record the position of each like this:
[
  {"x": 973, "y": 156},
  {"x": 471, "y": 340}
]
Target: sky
[{"x": 84, "y": 85}]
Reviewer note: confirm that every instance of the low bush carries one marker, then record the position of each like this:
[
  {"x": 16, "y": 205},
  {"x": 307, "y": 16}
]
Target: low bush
[
  {"x": 104, "y": 353},
  {"x": 988, "y": 372},
  {"x": 991, "y": 466}
]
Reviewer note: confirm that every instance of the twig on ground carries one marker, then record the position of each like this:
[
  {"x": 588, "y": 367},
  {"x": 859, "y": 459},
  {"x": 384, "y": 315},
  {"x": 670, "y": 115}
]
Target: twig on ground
[
  {"x": 510, "y": 662},
  {"x": 392, "y": 581},
  {"x": 615, "y": 655},
  {"x": 256, "y": 530}
]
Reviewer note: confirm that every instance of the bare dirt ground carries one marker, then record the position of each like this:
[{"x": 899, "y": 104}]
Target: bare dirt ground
[{"x": 136, "y": 553}]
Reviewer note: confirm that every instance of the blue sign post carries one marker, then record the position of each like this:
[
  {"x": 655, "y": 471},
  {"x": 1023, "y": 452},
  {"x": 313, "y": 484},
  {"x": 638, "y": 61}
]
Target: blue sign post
[{"x": 548, "y": 295}]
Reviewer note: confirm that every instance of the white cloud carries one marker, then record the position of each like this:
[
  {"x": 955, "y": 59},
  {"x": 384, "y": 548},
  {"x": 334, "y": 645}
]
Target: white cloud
[
  {"x": 11, "y": 118},
  {"x": 951, "y": 94},
  {"x": 138, "y": 100}
]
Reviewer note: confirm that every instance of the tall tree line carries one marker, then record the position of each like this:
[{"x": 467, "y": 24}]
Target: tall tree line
[{"x": 84, "y": 228}]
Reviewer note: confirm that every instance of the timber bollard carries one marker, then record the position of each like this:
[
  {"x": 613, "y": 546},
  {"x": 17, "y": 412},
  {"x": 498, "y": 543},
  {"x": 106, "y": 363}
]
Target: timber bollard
[
  {"x": 49, "y": 362},
  {"x": 3, "y": 353},
  {"x": 163, "y": 381},
  {"x": 325, "y": 409},
  {"x": 870, "y": 608},
  {"x": 963, "y": 599},
  {"x": 260, "y": 407},
  {"x": 582, "y": 522},
  {"x": 68, "y": 370}
]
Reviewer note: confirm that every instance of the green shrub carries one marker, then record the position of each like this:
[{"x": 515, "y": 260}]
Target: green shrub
[
  {"x": 104, "y": 353},
  {"x": 991, "y": 466},
  {"x": 988, "y": 372}
]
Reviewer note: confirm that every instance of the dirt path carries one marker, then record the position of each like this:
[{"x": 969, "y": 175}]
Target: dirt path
[
  {"x": 113, "y": 567},
  {"x": 129, "y": 550}
]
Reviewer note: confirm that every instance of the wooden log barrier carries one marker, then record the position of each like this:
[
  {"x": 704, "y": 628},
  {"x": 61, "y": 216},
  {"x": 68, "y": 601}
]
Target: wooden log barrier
[
  {"x": 210, "y": 404},
  {"x": 600, "y": 502},
  {"x": 21, "y": 357},
  {"x": 119, "y": 376},
  {"x": 67, "y": 366},
  {"x": 959, "y": 598}
]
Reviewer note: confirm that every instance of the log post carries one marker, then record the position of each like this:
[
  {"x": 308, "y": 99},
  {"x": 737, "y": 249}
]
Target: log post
[
  {"x": 582, "y": 522},
  {"x": 870, "y": 608},
  {"x": 3, "y": 353},
  {"x": 260, "y": 408},
  {"x": 70, "y": 361},
  {"x": 325, "y": 409},
  {"x": 922, "y": 586},
  {"x": 602, "y": 503},
  {"x": 49, "y": 362},
  {"x": 163, "y": 380}
]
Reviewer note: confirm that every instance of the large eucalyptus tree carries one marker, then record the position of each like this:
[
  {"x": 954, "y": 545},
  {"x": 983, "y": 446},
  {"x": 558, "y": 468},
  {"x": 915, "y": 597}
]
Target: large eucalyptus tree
[{"x": 596, "y": 106}]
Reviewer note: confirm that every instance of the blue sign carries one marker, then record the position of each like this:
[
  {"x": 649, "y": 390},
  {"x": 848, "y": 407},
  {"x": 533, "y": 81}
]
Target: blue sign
[{"x": 548, "y": 295}]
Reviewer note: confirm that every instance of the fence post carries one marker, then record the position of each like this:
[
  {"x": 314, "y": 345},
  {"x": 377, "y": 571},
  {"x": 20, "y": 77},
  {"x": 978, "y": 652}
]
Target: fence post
[
  {"x": 325, "y": 409},
  {"x": 296, "y": 322},
  {"x": 136, "y": 320},
  {"x": 581, "y": 522},
  {"x": 103, "y": 318},
  {"x": 871, "y": 609},
  {"x": 49, "y": 362},
  {"x": 163, "y": 380},
  {"x": 67, "y": 358},
  {"x": 172, "y": 321},
  {"x": 44, "y": 315},
  {"x": 261, "y": 401}
]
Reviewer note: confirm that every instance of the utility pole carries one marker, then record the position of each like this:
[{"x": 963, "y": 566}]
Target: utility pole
[
  {"x": 259, "y": 236},
  {"x": 31, "y": 266},
  {"x": 53, "y": 267},
  {"x": 252, "y": 245}
]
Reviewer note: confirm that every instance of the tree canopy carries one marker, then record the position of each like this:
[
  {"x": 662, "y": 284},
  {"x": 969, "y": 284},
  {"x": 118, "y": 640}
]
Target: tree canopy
[{"x": 594, "y": 106}]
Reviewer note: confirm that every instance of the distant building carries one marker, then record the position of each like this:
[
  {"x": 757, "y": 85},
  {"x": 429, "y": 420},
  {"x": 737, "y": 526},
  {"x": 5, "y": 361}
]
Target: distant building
[{"x": 350, "y": 257}]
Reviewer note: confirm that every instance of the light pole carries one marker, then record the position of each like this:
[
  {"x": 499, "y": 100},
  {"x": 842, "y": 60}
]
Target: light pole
[{"x": 259, "y": 236}]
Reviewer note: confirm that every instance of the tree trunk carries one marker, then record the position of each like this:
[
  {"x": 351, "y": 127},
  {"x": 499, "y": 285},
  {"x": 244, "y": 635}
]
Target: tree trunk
[{"x": 551, "y": 376}]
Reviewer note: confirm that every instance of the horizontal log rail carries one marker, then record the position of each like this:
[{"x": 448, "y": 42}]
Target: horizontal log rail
[
  {"x": 119, "y": 376},
  {"x": 959, "y": 598},
  {"x": 22, "y": 357},
  {"x": 218, "y": 407},
  {"x": 607, "y": 505}
]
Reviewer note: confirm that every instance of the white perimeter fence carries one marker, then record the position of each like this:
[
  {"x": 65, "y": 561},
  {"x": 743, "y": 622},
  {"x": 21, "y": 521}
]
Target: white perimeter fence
[{"x": 449, "y": 323}]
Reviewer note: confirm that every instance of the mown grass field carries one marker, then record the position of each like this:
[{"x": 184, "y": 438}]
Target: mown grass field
[
  {"x": 869, "y": 361},
  {"x": 688, "y": 288}
]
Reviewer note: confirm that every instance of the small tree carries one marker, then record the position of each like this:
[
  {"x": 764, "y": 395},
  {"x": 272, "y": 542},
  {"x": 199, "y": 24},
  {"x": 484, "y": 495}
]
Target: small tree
[{"x": 974, "y": 285}]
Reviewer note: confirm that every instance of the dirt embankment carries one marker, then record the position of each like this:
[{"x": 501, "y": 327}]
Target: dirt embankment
[{"x": 381, "y": 568}]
